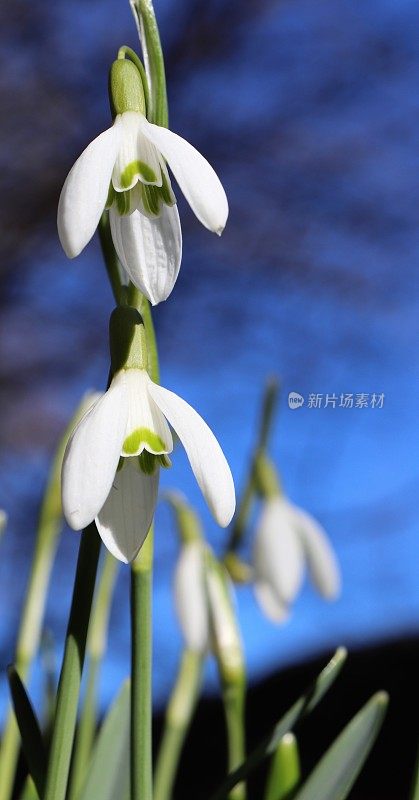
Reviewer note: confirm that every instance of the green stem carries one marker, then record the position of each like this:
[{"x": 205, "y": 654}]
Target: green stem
[
  {"x": 96, "y": 647},
  {"x": 244, "y": 507},
  {"x": 71, "y": 671},
  {"x": 179, "y": 713},
  {"x": 49, "y": 526},
  {"x": 234, "y": 709},
  {"x": 141, "y": 672},
  {"x": 153, "y": 59},
  {"x": 111, "y": 259}
]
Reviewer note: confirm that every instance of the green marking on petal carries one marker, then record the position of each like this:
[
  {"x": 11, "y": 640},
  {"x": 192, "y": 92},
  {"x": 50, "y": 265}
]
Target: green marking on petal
[
  {"x": 126, "y": 202},
  {"x": 164, "y": 460},
  {"x": 111, "y": 197},
  {"x": 148, "y": 463},
  {"x": 137, "y": 168},
  {"x": 142, "y": 436},
  {"x": 166, "y": 192},
  {"x": 151, "y": 199}
]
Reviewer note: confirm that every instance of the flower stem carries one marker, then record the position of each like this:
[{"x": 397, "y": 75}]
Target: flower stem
[
  {"x": 153, "y": 59},
  {"x": 141, "y": 672},
  {"x": 179, "y": 713},
  {"x": 244, "y": 507},
  {"x": 96, "y": 646},
  {"x": 49, "y": 526},
  {"x": 234, "y": 694},
  {"x": 71, "y": 671},
  {"x": 111, "y": 259}
]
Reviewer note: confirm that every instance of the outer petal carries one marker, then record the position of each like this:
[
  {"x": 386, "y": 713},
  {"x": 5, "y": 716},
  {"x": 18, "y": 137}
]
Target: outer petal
[
  {"x": 321, "y": 560},
  {"x": 195, "y": 176},
  {"x": 125, "y": 519},
  {"x": 270, "y": 603},
  {"x": 92, "y": 456},
  {"x": 191, "y": 597},
  {"x": 150, "y": 250},
  {"x": 278, "y": 556},
  {"x": 206, "y": 458},
  {"x": 85, "y": 190}
]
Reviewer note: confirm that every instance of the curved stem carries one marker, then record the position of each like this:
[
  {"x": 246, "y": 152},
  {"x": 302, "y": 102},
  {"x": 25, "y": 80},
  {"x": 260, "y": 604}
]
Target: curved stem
[
  {"x": 111, "y": 259},
  {"x": 71, "y": 671},
  {"x": 179, "y": 713},
  {"x": 96, "y": 646},
  {"x": 244, "y": 507}
]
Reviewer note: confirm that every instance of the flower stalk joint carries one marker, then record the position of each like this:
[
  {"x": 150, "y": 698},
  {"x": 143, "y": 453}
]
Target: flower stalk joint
[{"x": 127, "y": 340}]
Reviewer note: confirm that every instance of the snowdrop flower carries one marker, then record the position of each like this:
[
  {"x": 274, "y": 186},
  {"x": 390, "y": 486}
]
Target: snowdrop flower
[
  {"x": 287, "y": 540},
  {"x": 124, "y": 169},
  {"x": 111, "y": 464},
  {"x": 205, "y": 608}
]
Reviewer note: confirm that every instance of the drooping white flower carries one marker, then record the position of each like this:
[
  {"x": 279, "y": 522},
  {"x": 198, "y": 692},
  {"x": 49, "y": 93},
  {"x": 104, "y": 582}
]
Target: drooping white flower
[
  {"x": 205, "y": 606},
  {"x": 288, "y": 540},
  {"x": 124, "y": 168},
  {"x": 111, "y": 465},
  {"x": 191, "y": 597}
]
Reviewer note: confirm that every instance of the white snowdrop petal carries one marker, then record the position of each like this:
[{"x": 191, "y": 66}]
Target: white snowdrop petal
[
  {"x": 195, "y": 176},
  {"x": 278, "y": 556},
  {"x": 85, "y": 190},
  {"x": 125, "y": 519},
  {"x": 321, "y": 560},
  {"x": 92, "y": 456},
  {"x": 150, "y": 250},
  {"x": 206, "y": 458},
  {"x": 190, "y": 597},
  {"x": 271, "y": 605}
]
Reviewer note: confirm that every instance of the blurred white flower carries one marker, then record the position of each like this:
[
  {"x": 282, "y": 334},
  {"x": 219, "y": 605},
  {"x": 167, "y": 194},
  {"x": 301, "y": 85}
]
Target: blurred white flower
[
  {"x": 204, "y": 603},
  {"x": 125, "y": 169},
  {"x": 111, "y": 464},
  {"x": 288, "y": 540}
]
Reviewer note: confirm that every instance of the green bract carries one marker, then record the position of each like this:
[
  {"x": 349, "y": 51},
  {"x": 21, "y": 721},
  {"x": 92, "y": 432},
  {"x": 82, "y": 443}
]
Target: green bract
[{"x": 126, "y": 92}]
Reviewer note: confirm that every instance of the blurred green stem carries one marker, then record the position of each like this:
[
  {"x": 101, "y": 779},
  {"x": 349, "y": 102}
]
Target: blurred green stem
[
  {"x": 179, "y": 713},
  {"x": 49, "y": 526},
  {"x": 96, "y": 647},
  {"x": 244, "y": 507},
  {"x": 72, "y": 667},
  {"x": 234, "y": 694}
]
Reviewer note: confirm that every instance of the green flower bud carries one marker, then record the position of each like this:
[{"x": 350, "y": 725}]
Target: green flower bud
[
  {"x": 126, "y": 92},
  {"x": 127, "y": 340}
]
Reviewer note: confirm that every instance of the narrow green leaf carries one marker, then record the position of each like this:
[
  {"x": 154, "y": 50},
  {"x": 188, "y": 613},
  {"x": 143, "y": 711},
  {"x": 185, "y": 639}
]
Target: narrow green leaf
[
  {"x": 32, "y": 742},
  {"x": 284, "y": 772},
  {"x": 108, "y": 773},
  {"x": 303, "y": 706},
  {"x": 335, "y": 774}
]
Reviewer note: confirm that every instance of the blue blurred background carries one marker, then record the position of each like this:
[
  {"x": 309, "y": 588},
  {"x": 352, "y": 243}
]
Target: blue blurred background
[{"x": 309, "y": 112}]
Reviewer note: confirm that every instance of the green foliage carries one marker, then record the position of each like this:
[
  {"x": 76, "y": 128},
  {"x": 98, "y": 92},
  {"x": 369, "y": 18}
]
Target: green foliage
[
  {"x": 335, "y": 774},
  {"x": 108, "y": 774}
]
